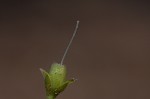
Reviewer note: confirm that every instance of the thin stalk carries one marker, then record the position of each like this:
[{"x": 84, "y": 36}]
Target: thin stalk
[
  {"x": 51, "y": 97},
  {"x": 74, "y": 33}
]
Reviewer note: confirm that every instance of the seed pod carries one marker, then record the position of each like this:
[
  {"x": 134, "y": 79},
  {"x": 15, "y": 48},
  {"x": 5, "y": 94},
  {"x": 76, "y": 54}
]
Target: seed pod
[
  {"x": 58, "y": 75},
  {"x": 55, "y": 80}
]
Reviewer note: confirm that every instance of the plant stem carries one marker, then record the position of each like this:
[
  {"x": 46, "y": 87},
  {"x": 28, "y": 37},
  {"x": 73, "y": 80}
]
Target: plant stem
[{"x": 51, "y": 97}]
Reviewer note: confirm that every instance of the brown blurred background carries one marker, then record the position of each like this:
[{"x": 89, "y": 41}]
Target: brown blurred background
[{"x": 109, "y": 55}]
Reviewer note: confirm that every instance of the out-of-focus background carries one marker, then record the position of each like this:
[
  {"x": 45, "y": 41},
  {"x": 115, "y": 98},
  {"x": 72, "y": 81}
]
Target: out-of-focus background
[{"x": 110, "y": 55}]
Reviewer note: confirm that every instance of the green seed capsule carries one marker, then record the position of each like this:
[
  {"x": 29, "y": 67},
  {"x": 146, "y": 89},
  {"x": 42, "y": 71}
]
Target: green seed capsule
[
  {"x": 55, "y": 79},
  {"x": 58, "y": 75}
]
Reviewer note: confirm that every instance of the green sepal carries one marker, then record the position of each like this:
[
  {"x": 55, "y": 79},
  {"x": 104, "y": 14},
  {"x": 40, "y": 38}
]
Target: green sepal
[
  {"x": 47, "y": 81},
  {"x": 44, "y": 73},
  {"x": 64, "y": 85}
]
